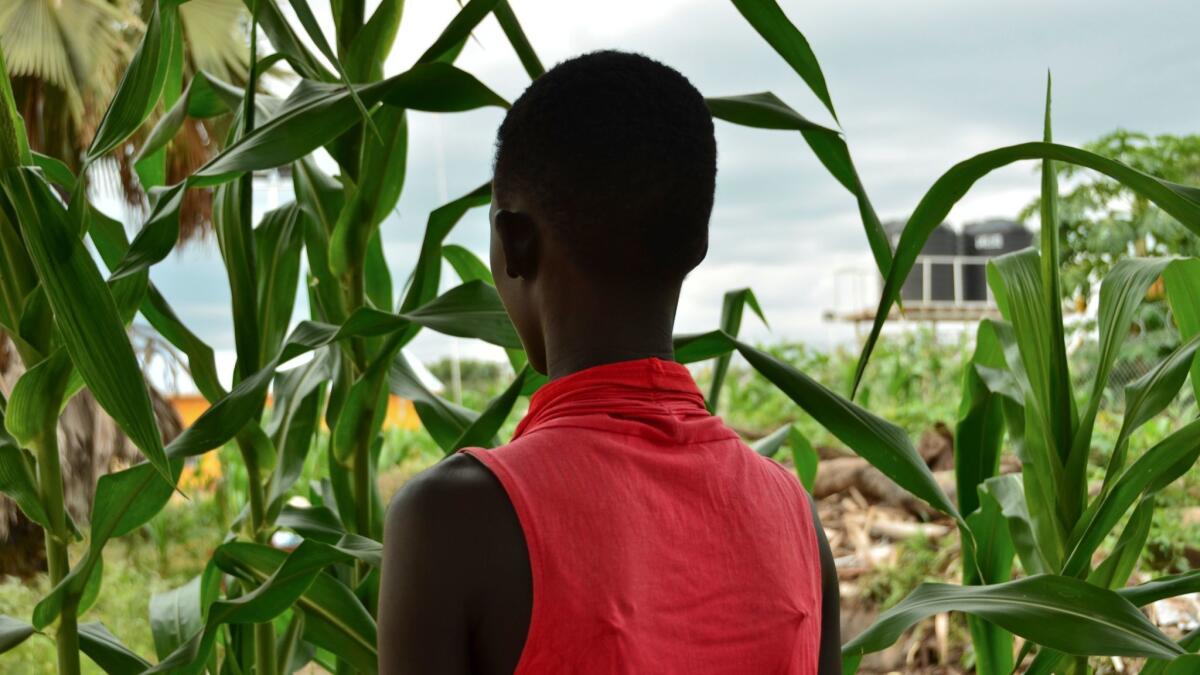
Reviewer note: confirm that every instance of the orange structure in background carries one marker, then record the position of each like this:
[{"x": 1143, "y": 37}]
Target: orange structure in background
[{"x": 400, "y": 412}]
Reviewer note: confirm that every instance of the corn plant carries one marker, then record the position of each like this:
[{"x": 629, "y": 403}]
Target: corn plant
[{"x": 67, "y": 319}]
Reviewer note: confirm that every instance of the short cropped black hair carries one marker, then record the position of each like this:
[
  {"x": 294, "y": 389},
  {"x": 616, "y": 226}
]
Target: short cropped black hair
[{"x": 618, "y": 150}]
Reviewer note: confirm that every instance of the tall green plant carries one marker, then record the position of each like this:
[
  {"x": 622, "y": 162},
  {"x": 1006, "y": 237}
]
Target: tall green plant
[{"x": 67, "y": 321}]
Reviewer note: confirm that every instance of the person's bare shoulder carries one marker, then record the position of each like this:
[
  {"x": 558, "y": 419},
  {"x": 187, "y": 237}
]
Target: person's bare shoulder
[{"x": 453, "y": 552}]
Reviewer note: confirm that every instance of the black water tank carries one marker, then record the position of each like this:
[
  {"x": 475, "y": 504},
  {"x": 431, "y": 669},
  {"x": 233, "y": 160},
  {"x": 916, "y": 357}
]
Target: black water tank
[
  {"x": 943, "y": 241},
  {"x": 988, "y": 239}
]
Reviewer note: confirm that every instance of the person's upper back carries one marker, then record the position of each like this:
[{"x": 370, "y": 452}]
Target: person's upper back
[{"x": 658, "y": 542}]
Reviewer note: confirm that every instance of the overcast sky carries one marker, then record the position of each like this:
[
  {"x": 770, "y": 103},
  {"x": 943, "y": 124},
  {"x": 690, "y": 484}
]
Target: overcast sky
[{"x": 918, "y": 84}]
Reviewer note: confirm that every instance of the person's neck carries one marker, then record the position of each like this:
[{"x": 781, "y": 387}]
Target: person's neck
[{"x": 603, "y": 329}]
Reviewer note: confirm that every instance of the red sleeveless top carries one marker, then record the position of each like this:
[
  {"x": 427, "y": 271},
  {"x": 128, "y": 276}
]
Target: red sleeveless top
[{"x": 658, "y": 541}]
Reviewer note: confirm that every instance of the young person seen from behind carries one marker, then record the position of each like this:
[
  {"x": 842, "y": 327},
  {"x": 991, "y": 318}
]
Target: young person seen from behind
[{"x": 624, "y": 529}]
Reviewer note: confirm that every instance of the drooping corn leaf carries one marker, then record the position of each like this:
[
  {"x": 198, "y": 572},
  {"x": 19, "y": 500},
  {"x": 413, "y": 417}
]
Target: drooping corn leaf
[
  {"x": 766, "y": 111},
  {"x": 334, "y": 619},
  {"x": 318, "y": 112},
  {"x": 17, "y": 479},
  {"x": 1061, "y": 613},
  {"x": 1162, "y": 588},
  {"x": 732, "y": 308},
  {"x": 175, "y": 616},
  {"x": 1116, "y": 568},
  {"x": 445, "y": 421},
  {"x": 458, "y": 30},
  {"x": 805, "y": 458},
  {"x": 516, "y": 37},
  {"x": 13, "y": 632},
  {"x": 285, "y": 41},
  {"x": 770, "y": 444},
  {"x": 883, "y": 444},
  {"x": 470, "y": 310},
  {"x": 1157, "y": 467},
  {"x": 773, "y": 25},
  {"x": 106, "y": 651},
  {"x": 269, "y": 599},
  {"x": 142, "y": 85},
  {"x": 1149, "y": 395},
  {"x": 85, "y": 313},
  {"x": 467, "y": 265},
  {"x": 1180, "y": 202},
  {"x": 483, "y": 430},
  {"x": 1121, "y": 292}
]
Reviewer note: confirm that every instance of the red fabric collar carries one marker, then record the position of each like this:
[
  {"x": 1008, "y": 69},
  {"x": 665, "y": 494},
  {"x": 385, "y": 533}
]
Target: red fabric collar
[{"x": 622, "y": 387}]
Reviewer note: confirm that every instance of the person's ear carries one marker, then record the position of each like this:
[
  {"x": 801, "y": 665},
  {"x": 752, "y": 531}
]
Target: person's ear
[{"x": 519, "y": 238}]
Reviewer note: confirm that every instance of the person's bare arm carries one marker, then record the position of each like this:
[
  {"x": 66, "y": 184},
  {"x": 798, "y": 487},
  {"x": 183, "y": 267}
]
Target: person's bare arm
[
  {"x": 830, "y": 662},
  {"x": 455, "y": 591}
]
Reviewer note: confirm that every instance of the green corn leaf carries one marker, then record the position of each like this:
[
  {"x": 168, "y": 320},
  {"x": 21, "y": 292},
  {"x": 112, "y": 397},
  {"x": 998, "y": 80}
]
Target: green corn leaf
[
  {"x": 290, "y": 645},
  {"x": 175, "y": 616},
  {"x": 1149, "y": 395},
  {"x": 370, "y": 48},
  {"x": 1180, "y": 202},
  {"x": 445, "y": 421},
  {"x": 298, "y": 394},
  {"x": 1060, "y": 403},
  {"x": 458, "y": 30},
  {"x": 805, "y": 458},
  {"x": 1116, "y": 568},
  {"x": 143, "y": 82},
  {"x": 770, "y": 444},
  {"x": 732, "y": 309},
  {"x": 204, "y": 97},
  {"x": 317, "y": 112},
  {"x": 381, "y": 172},
  {"x": 85, "y": 313},
  {"x": 1060, "y": 613},
  {"x": 13, "y": 632},
  {"x": 979, "y": 435},
  {"x": 1182, "y": 279},
  {"x": 1121, "y": 293},
  {"x": 482, "y": 432},
  {"x": 467, "y": 265},
  {"x": 286, "y": 42},
  {"x": 17, "y": 479},
  {"x": 321, "y": 199},
  {"x": 106, "y": 651},
  {"x": 516, "y": 37},
  {"x": 766, "y": 111},
  {"x": 56, "y": 171},
  {"x": 427, "y": 273},
  {"x": 990, "y": 563},
  {"x": 309, "y": 22},
  {"x": 268, "y": 600},
  {"x": 773, "y": 25},
  {"x": 151, "y": 168},
  {"x": 472, "y": 310},
  {"x": 1190, "y": 642},
  {"x": 883, "y": 444},
  {"x": 334, "y": 619},
  {"x": 1157, "y": 467},
  {"x": 763, "y": 110},
  {"x": 158, "y": 235},
  {"x": 277, "y": 242},
  {"x": 320, "y": 524},
  {"x": 1162, "y": 588},
  {"x": 235, "y": 240}
]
